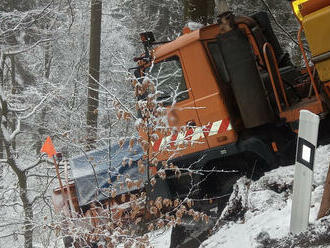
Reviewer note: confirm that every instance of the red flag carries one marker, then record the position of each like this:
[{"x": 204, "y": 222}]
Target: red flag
[{"x": 48, "y": 147}]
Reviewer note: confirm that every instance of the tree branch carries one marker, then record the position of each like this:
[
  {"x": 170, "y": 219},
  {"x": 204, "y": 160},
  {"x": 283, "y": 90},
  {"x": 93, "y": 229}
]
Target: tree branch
[{"x": 27, "y": 49}]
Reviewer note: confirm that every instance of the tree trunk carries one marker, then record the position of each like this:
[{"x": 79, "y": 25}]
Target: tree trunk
[
  {"x": 325, "y": 204},
  {"x": 221, "y": 6},
  {"x": 27, "y": 205},
  {"x": 14, "y": 89},
  {"x": 47, "y": 66},
  {"x": 2, "y": 82},
  {"x": 28, "y": 212},
  {"x": 201, "y": 11},
  {"x": 94, "y": 72}
]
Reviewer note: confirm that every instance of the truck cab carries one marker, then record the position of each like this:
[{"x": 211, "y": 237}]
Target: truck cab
[{"x": 240, "y": 93}]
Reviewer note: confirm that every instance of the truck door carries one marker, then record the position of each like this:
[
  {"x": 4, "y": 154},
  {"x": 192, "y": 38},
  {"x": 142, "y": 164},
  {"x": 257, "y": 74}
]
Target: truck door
[
  {"x": 209, "y": 99},
  {"x": 174, "y": 91}
]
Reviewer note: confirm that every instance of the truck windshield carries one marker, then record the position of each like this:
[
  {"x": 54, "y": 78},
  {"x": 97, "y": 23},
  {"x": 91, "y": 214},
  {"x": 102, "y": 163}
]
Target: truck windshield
[{"x": 168, "y": 78}]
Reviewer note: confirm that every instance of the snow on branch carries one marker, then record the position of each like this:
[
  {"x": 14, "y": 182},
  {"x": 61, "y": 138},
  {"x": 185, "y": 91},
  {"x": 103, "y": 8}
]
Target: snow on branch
[
  {"x": 11, "y": 53},
  {"x": 21, "y": 21},
  {"x": 113, "y": 96},
  {"x": 9, "y": 137}
]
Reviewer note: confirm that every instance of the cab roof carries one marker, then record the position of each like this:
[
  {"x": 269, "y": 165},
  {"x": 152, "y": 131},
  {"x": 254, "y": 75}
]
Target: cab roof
[{"x": 208, "y": 32}]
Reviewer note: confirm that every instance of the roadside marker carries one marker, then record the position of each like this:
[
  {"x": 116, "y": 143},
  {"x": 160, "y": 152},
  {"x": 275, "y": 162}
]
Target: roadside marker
[{"x": 303, "y": 176}]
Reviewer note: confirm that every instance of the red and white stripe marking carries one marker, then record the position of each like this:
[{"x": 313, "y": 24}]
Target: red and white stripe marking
[{"x": 192, "y": 134}]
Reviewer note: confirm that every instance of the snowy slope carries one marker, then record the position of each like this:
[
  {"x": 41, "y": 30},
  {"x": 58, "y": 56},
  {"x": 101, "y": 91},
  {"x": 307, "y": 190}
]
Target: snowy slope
[
  {"x": 268, "y": 202},
  {"x": 264, "y": 208}
]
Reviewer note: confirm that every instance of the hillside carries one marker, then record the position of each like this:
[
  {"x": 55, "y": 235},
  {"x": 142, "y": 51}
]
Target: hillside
[{"x": 258, "y": 213}]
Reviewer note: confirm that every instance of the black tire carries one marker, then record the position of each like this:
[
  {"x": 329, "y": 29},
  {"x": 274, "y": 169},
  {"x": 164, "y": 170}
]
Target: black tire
[{"x": 190, "y": 236}]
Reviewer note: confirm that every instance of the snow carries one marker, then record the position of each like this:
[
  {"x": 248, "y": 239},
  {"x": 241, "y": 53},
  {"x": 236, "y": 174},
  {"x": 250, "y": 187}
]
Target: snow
[
  {"x": 269, "y": 211},
  {"x": 161, "y": 238},
  {"x": 268, "y": 207},
  {"x": 272, "y": 221},
  {"x": 194, "y": 25}
]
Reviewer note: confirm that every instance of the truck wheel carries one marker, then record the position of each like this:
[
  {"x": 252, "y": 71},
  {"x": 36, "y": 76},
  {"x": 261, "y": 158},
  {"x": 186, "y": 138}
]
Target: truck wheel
[
  {"x": 226, "y": 192},
  {"x": 324, "y": 134},
  {"x": 178, "y": 236},
  {"x": 190, "y": 235},
  {"x": 219, "y": 186}
]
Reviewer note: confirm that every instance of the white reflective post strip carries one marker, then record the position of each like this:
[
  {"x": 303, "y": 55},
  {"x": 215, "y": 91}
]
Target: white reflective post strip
[
  {"x": 198, "y": 133},
  {"x": 303, "y": 176},
  {"x": 165, "y": 141},
  {"x": 180, "y": 138},
  {"x": 162, "y": 144},
  {"x": 215, "y": 128},
  {"x": 229, "y": 127}
]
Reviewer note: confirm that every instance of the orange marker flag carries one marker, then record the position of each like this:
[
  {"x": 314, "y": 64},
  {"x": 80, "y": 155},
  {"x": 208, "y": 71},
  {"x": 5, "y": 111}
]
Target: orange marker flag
[{"x": 48, "y": 147}]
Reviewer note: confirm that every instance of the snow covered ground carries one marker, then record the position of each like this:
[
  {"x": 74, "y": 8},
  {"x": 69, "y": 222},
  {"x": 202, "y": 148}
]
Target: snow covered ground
[{"x": 264, "y": 208}]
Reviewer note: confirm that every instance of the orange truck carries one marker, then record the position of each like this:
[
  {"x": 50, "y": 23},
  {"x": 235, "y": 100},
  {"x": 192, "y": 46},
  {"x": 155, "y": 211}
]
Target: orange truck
[
  {"x": 237, "y": 95},
  {"x": 241, "y": 95}
]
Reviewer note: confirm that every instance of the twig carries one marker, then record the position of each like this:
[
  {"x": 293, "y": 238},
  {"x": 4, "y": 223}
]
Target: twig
[
  {"x": 280, "y": 26},
  {"x": 27, "y": 49}
]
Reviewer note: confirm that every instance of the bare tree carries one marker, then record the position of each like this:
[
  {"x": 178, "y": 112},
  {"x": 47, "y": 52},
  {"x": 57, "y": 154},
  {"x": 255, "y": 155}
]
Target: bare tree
[
  {"x": 201, "y": 11},
  {"x": 94, "y": 71},
  {"x": 221, "y": 6},
  {"x": 25, "y": 182}
]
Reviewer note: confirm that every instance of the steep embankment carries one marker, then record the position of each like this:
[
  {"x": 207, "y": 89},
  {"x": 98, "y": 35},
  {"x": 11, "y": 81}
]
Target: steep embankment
[{"x": 258, "y": 213}]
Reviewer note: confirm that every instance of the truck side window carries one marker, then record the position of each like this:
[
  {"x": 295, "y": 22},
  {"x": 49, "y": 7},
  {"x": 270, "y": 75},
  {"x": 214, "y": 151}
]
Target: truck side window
[{"x": 169, "y": 80}]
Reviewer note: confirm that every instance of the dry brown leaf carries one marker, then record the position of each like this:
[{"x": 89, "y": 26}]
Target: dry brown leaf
[
  {"x": 153, "y": 210},
  {"x": 141, "y": 169},
  {"x": 159, "y": 204},
  {"x": 206, "y": 219},
  {"x": 197, "y": 216},
  {"x": 189, "y": 203},
  {"x": 176, "y": 202},
  {"x": 127, "y": 116},
  {"x": 133, "y": 197},
  {"x": 121, "y": 142},
  {"x": 153, "y": 181},
  {"x": 167, "y": 202},
  {"x": 113, "y": 193},
  {"x": 119, "y": 114},
  {"x": 138, "y": 220},
  {"x": 151, "y": 227},
  {"x": 131, "y": 142},
  {"x": 162, "y": 174},
  {"x": 160, "y": 224}
]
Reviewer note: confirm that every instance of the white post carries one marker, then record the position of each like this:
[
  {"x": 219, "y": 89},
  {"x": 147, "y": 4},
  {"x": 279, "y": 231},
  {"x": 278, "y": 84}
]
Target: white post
[{"x": 303, "y": 177}]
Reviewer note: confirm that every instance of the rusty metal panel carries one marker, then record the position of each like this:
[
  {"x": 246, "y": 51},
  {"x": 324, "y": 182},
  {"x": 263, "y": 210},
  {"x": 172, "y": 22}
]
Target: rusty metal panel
[{"x": 245, "y": 79}]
